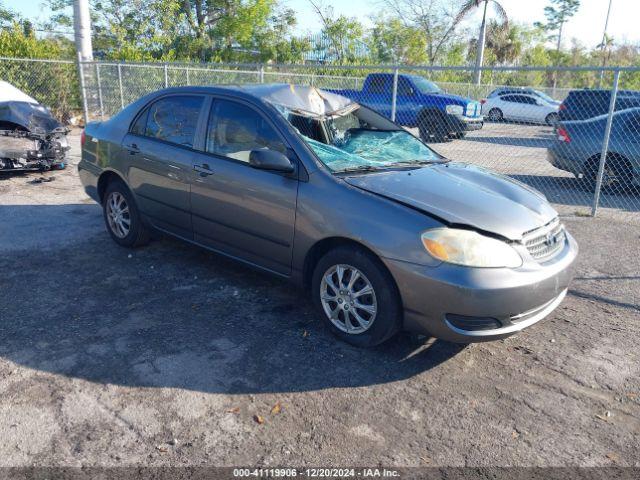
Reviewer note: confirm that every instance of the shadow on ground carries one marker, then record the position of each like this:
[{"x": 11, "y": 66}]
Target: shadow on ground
[
  {"x": 568, "y": 191},
  {"x": 173, "y": 315},
  {"x": 542, "y": 138}
]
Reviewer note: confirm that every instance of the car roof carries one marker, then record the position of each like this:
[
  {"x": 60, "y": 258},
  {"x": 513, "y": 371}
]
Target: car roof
[{"x": 304, "y": 99}]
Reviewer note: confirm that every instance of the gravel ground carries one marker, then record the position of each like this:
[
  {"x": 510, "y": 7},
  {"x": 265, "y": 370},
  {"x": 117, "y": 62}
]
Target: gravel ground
[{"x": 168, "y": 355}]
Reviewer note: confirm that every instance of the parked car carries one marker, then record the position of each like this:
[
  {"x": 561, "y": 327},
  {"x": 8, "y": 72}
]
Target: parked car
[
  {"x": 420, "y": 103},
  {"x": 585, "y": 104},
  {"x": 578, "y": 147},
  {"x": 313, "y": 187},
  {"x": 523, "y": 90},
  {"x": 521, "y": 108},
  {"x": 31, "y": 139}
]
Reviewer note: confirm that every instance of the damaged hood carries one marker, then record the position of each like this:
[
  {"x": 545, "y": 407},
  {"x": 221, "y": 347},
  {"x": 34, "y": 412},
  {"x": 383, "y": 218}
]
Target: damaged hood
[
  {"x": 465, "y": 195},
  {"x": 33, "y": 117},
  {"x": 303, "y": 100},
  {"x": 18, "y": 108}
]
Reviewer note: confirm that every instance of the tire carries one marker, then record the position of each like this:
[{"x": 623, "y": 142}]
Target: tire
[
  {"x": 118, "y": 207},
  {"x": 459, "y": 135},
  {"x": 385, "y": 299},
  {"x": 552, "y": 119},
  {"x": 617, "y": 176},
  {"x": 495, "y": 115},
  {"x": 433, "y": 128}
]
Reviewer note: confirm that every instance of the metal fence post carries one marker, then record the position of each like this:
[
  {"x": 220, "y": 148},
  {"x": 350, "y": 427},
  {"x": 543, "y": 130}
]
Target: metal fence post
[
  {"x": 394, "y": 95},
  {"x": 99, "y": 91},
  {"x": 261, "y": 74},
  {"x": 83, "y": 92},
  {"x": 120, "y": 85},
  {"x": 166, "y": 75},
  {"x": 605, "y": 143},
  {"x": 188, "y": 82}
]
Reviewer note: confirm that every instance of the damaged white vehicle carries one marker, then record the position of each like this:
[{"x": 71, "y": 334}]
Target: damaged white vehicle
[{"x": 31, "y": 139}]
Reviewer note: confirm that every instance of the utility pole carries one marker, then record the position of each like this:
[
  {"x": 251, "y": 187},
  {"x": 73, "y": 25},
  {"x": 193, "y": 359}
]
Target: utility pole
[
  {"x": 82, "y": 29},
  {"x": 604, "y": 42}
]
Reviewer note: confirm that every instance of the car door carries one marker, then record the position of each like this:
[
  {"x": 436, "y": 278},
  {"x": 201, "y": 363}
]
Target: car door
[
  {"x": 158, "y": 151},
  {"x": 522, "y": 108},
  {"x": 407, "y": 105},
  {"x": 239, "y": 210},
  {"x": 625, "y": 139},
  {"x": 535, "y": 109},
  {"x": 509, "y": 106}
]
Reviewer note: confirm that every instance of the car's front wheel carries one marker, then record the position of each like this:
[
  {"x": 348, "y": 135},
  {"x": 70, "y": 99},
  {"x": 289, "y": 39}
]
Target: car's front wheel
[
  {"x": 356, "y": 297},
  {"x": 432, "y": 128},
  {"x": 552, "y": 119},
  {"x": 121, "y": 216},
  {"x": 495, "y": 115}
]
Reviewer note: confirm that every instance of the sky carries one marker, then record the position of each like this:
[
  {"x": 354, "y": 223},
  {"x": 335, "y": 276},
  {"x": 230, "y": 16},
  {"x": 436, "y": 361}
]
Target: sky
[{"x": 586, "y": 26}]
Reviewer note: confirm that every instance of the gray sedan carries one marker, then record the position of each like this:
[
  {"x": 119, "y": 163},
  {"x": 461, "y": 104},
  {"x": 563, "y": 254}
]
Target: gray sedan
[
  {"x": 578, "y": 146},
  {"x": 385, "y": 233}
]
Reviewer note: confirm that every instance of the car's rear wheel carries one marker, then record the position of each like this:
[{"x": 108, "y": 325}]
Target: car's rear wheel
[
  {"x": 122, "y": 217},
  {"x": 356, "y": 297},
  {"x": 617, "y": 175},
  {"x": 552, "y": 119},
  {"x": 495, "y": 115}
]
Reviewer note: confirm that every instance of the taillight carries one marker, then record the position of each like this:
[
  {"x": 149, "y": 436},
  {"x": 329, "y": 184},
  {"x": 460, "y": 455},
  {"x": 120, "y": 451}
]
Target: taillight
[
  {"x": 483, "y": 101},
  {"x": 82, "y": 137},
  {"x": 563, "y": 135},
  {"x": 562, "y": 106}
]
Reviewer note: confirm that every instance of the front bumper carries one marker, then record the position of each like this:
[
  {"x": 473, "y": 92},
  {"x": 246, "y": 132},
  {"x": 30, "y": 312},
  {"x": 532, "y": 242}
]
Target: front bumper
[
  {"x": 463, "y": 305},
  {"x": 459, "y": 123},
  {"x": 563, "y": 162}
]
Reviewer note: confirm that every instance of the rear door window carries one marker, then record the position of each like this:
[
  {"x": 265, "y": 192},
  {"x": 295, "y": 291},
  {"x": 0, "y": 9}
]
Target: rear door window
[
  {"x": 234, "y": 130},
  {"x": 171, "y": 119}
]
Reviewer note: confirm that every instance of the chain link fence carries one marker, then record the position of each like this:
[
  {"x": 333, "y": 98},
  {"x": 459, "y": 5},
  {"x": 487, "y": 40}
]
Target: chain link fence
[
  {"x": 51, "y": 82},
  {"x": 571, "y": 133}
]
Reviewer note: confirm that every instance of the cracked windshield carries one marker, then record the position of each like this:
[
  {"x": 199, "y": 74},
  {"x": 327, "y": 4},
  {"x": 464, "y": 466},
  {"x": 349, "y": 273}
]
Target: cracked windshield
[{"x": 361, "y": 140}]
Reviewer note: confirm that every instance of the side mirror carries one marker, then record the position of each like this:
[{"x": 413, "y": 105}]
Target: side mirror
[{"x": 270, "y": 160}]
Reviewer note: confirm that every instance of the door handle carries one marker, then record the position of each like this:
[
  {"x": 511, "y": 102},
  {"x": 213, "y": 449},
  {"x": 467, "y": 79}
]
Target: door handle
[
  {"x": 204, "y": 170},
  {"x": 133, "y": 149}
]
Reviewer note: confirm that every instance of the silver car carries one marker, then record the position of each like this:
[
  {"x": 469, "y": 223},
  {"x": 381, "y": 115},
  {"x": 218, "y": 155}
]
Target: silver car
[{"x": 385, "y": 233}]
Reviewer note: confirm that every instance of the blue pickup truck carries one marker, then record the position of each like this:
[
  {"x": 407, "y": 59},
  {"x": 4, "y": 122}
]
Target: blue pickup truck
[{"x": 420, "y": 103}]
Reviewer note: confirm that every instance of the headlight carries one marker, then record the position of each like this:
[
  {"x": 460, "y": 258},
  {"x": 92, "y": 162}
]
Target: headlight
[
  {"x": 469, "y": 248},
  {"x": 455, "y": 109}
]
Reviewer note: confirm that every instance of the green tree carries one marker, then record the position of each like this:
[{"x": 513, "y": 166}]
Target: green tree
[
  {"x": 203, "y": 30},
  {"x": 391, "y": 41},
  {"x": 506, "y": 43},
  {"x": 436, "y": 19},
  {"x": 471, "y": 6},
  {"x": 557, "y": 14},
  {"x": 345, "y": 35}
]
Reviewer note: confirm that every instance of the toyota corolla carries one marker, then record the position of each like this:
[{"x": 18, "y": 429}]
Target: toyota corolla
[{"x": 385, "y": 233}]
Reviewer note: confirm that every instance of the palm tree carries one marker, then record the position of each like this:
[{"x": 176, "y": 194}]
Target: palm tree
[{"x": 471, "y": 6}]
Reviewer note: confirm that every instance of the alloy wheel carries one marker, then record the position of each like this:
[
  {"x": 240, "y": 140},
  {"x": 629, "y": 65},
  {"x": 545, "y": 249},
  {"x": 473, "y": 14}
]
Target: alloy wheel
[
  {"x": 118, "y": 214},
  {"x": 348, "y": 299}
]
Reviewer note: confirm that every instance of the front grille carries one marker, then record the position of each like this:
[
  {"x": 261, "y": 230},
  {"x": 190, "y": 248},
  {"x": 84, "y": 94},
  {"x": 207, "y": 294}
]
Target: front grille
[
  {"x": 472, "y": 109},
  {"x": 545, "y": 242}
]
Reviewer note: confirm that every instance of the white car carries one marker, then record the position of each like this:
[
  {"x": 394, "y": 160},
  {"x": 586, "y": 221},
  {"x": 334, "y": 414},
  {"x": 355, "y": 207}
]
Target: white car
[{"x": 520, "y": 107}]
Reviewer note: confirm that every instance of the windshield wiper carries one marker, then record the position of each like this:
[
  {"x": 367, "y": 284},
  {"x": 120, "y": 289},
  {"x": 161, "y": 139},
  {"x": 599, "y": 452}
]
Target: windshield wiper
[
  {"x": 413, "y": 163},
  {"x": 361, "y": 168}
]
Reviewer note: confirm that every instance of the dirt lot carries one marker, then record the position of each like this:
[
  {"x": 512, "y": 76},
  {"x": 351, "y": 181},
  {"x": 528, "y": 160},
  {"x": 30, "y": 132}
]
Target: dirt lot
[{"x": 164, "y": 355}]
